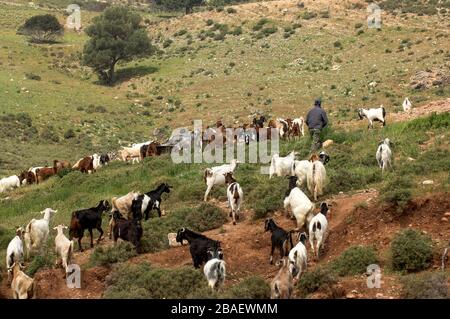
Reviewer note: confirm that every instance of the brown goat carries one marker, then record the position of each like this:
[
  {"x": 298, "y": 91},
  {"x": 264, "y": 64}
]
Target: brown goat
[
  {"x": 44, "y": 173},
  {"x": 282, "y": 286}
]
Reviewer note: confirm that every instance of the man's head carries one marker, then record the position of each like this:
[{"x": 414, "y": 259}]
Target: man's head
[{"x": 318, "y": 103}]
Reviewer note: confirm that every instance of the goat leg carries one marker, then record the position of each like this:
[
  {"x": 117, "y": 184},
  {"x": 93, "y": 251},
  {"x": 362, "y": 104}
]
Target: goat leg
[
  {"x": 92, "y": 238},
  {"x": 101, "y": 234}
]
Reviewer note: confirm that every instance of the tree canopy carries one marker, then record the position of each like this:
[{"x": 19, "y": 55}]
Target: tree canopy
[
  {"x": 42, "y": 28},
  {"x": 116, "y": 35}
]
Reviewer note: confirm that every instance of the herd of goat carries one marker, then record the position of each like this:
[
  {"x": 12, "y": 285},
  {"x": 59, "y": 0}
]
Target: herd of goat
[{"x": 128, "y": 211}]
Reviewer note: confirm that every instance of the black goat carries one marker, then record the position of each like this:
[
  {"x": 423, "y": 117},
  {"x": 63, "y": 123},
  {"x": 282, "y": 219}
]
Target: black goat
[
  {"x": 129, "y": 230},
  {"x": 198, "y": 245},
  {"x": 259, "y": 123},
  {"x": 152, "y": 199},
  {"x": 88, "y": 219},
  {"x": 280, "y": 239}
]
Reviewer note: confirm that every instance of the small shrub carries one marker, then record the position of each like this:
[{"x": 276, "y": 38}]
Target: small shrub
[
  {"x": 209, "y": 22},
  {"x": 337, "y": 44},
  {"x": 318, "y": 279},
  {"x": 267, "y": 198},
  {"x": 411, "y": 251},
  {"x": 143, "y": 281},
  {"x": 70, "y": 133},
  {"x": 63, "y": 172},
  {"x": 32, "y": 76},
  {"x": 105, "y": 256},
  {"x": 250, "y": 288},
  {"x": 237, "y": 31},
  {"x": 397, "y": 191},
  {"x": 354, "y": 261},
  {"x": 429, "y": 285},
  {"x": 231, "y": 10},
  {"x": 42, "y": 28},
  {"x": 358, "y": 25},
  {"x": 259, "y": 25},
  {"x": 308, "y": 15},
  {"x": 38, "y": 263}
]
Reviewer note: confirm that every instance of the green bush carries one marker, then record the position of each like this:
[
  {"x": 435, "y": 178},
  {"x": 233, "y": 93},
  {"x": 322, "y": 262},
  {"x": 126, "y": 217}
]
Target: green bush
[
  {"x": 411, "y": 251},
  {"x": 267, "y": 197},
  {"x": 231, "y": 10},
  {"x": 250, "y": 288},
  {"x": 308, "y": 15},
  {"x": 32, "y": 76},
  {"x": 105, "y": 256},
  {"x": 70, "y": 133},
  {"x": 397, "y": 191},
  {"x": 429, "y": 285},
  {"x": 354, "y": 261},
  {"x": 63, "y": 172},
  {"x": 319, "y": 278},
  {"x": 42, "y": 28},
  {"x": 6, "y": 235},
  {"x": 260, "y": 24},
  {"x": 143, "y": 281},
  {"x": 38, "y": 263}
]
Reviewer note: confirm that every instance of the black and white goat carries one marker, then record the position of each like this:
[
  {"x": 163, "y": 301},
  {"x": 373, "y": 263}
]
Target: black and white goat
[
  {"x": 298, "y": 258},
  {"x": 235, "y": 196},
  {"x": 198, "y": 245},
  {"x": 318, "y": 230},
  {"x": 373, "y": 114},
  {"x": 152, "y": 199},
  {"x": 384, "y": 155},
  {"x": 281, "y": 239},
  {"x": 215, "y": 268}
]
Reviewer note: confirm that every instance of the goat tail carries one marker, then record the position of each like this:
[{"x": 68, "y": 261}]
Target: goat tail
[
  {"x": 236, "y": 194},
  {"x": 384, "y": 112},
  {"x": 11, "y": 259}
]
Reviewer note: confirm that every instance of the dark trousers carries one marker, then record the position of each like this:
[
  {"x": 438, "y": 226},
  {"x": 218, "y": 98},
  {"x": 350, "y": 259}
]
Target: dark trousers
[{"x": 316, "y": 143}]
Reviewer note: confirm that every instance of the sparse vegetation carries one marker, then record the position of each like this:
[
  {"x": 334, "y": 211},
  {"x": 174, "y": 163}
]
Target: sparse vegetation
[
  {"x": 105, "y": 256},
  {"x": 429, "y": 285},
  {"x": 354, "y": 261},
  {"x": 318, "y": 279},
  {"x": 411, "y": 251}
]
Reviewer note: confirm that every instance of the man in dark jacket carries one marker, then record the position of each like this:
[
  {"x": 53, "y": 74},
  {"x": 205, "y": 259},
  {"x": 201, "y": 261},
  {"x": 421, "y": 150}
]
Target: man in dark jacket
[{"x": 316, "y": 121}]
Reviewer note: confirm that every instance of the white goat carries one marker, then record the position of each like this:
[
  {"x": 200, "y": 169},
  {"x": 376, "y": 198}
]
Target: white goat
[
  {"x": 235, "y": 196},
  {"x": 302, "y": 207},
  {"x": 407, "y": 105},
  {"x": 63, "y": 247},
  {"x": 316, "y": 177},
  {"x": 9, "y": 183},
  {"x": 318, "y": 230},
  {"x": 215, "y": 175},
  {"x": 215, "y": 269},
  {"x": 384, "y": 155},
  {"x": 281, "y": 166},
  {"x": 14, "y": 252},
  {"x": 298, "y": 258},
  {"x": 378, "y": 114},
  {"x": 36, "y": 232},
  {"x": 301, "y": 169}
]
